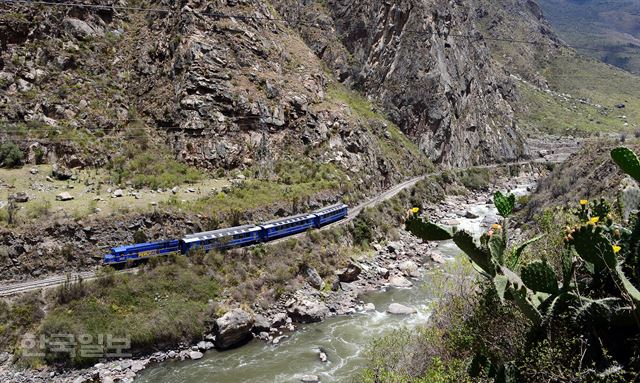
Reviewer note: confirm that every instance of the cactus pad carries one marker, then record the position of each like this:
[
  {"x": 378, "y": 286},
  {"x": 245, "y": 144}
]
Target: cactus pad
[
  {"x": 627, "y": 161},
  {"x": 593, "y": 247},
  {"x": 504, "y": 203},
  {"x": 427, "y": 231},
  {"x": 539, "y": 276},
  {"x": 478, "y": 255}
]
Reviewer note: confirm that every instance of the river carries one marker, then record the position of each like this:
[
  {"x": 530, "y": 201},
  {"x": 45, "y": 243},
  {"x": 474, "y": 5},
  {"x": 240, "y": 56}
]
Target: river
[{"x": 343, "y": 339}]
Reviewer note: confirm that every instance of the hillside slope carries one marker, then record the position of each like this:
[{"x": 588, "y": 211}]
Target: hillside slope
[
  {"x": 608, "y": 31},
  {"x": 561, "y": 91}
]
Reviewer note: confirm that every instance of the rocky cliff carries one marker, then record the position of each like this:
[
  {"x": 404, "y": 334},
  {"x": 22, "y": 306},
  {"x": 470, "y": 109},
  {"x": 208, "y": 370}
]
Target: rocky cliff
[
  {"x": 426, "y": 64},
  {"x": 228, "y": 92}
]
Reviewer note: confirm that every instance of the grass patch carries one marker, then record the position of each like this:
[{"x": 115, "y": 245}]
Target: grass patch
[
  {"x": 153, "y": 170},
  {"x": 165, "y": 305}
]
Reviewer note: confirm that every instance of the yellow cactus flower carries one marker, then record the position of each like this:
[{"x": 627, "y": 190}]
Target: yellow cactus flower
[
  {"x": 415, "y": 210},
  {"x": 594, "y": 220},
  {"x": 616, "y": 249},
  {"x": 495, "y": 226},
  {"x": 583, "y": 202}
]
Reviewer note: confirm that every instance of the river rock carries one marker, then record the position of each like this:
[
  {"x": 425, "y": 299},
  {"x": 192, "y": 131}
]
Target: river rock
[
  {"x": 204, "y": 345},
  {"x": 399, "y": 281},
  {"x": 470, "y": 215},
  {"x": 280, "y": 319},
  {"x": 408, "y": 267},
  {"x": 195, "y": 355},
  {"x": 437, "y": 258},
  {"x": 369, "y": 307},
  {"x": 261, "y": 324},
  {"x": 383, "y": 272},
  {"x": 307, "y": 310},
  {"x": 350, "y": 273},
  {"x": 233, "y": 328},
  {"x": 310, "y": 379},
  {"x": 398, "y": 309}
]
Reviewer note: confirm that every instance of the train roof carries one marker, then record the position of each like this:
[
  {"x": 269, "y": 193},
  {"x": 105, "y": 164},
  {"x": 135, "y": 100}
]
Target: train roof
[
  {"x": 331, "y": 208},
  {"x": 286, "y": 220},
  {"x": 220, "y": 233},
  {"x": 137, "y": 246}
]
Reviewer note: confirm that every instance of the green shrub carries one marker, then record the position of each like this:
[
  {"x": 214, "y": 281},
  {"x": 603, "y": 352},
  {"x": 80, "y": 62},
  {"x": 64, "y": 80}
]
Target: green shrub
[{"x": 10, "y": 155}]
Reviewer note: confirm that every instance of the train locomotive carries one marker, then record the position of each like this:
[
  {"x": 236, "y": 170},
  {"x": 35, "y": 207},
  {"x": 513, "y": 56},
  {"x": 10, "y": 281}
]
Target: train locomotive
[{"x": 238, "y": 236}]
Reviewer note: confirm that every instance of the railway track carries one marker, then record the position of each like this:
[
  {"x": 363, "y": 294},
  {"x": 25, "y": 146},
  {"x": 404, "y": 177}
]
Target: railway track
[{"x": 54, "y": 281}]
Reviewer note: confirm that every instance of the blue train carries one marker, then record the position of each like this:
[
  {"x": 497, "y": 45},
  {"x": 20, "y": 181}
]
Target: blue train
[{"x": 227, "y": 238}]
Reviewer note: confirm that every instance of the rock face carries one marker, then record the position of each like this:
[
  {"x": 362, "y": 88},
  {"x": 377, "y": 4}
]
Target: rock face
[
  {"x": 406, "y": 56},
  {"x": 233, "y": 328}
]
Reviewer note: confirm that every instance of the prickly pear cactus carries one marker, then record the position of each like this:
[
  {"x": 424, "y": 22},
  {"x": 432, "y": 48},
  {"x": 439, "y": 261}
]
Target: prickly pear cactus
[
  {"x": 539, "y": 276},
  {"x": 629, "y": 199},
  {"x": 627, "y": 160},
  {"x": 504, "y": 203}
]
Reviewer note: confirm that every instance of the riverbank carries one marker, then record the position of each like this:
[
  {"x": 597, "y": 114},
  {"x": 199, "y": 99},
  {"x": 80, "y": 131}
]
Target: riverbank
[{"x": 396, "y": 264}]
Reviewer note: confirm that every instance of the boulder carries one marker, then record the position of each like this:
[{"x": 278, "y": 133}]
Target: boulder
[
  {"x": 399, "y": 281},
  {"x": 470, "y": 215},
  {"x": 195, "y": 355},
  {"x": 383, "y": 272},
  {"x": 204, "y": 345},
  {"x": 408, "y": 267},
  {"x": 398, "y": 309},
  {"x": 369, "y": 307},
  {"x": 60, "y": 172},
  {"x": 310, "y": 379},
  {"x": 80, "y": 28},
  {"x": 261, "y": 323},
  {"x": 307, "y": 310},
  {"x": 437, "y": 258},
  {"x": 280, "y": 319},
  {"x": 350, "y": 273},
  {"x": 64, "y": 196},
  {"x": 20, "y": 197},
  {"x": 233, "y": 328},
  {"x": 117, "y": 193},
  {"x": 312, "y": 276}
]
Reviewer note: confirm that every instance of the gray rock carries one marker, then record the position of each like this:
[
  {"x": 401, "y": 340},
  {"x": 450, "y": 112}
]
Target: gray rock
[
  {"x": 80, "y": 28},
  {"x": 470, "y": 215},
  {"x": 408, "y": 267},
  {"x": 314, "y": 279},
  {"x": 195, "y": 355},
  {"x": 350, "y": 273},
  {"x": 117, "y": 193},
  {"x": 369, "y": 307},
  {"x": 307, "y": 310},
  {"x": 64, "y": 196},
  {"x": 261, "y": 323},
  {"x": 399, "y": 281},
  {"x": 437, "y": 258},
  {"x": 383, "y": 272},
  {"x": 310, "y": 379},
  {"x": 172, "y": 354},
  {"x": 60, "y": 172},
  {"x": 398, "y": 309},
  {"x": 20, "y": 197},
  {"x": 280, "y": 319},
  {"x": 233, "y": 328},
  {"x": 33, "y": 171},
  {"x": 204, "y": 345}
]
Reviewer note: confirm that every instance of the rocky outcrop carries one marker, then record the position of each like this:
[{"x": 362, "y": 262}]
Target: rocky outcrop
[
  {"x": 349, "y": 273},
  {"x": 232, "y": 329},
  {"x": 416, "y": 60}
]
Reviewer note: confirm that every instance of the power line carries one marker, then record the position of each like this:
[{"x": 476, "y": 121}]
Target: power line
[{"x": 284, "y": 21}]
